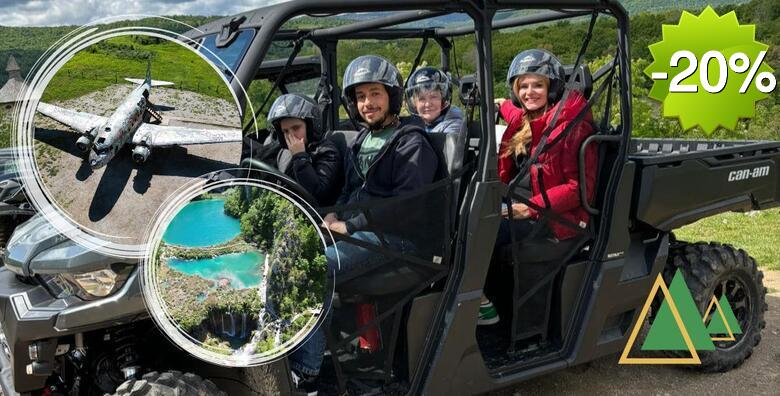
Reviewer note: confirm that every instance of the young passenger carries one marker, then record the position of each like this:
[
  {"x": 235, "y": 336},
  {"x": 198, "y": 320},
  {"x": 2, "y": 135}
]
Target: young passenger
[
  {"x": 429, "y": 96},
  {"x": 536, "y": 82},
  {"x": 386, "y": 160},
  {"x": 313, "y": 162}
]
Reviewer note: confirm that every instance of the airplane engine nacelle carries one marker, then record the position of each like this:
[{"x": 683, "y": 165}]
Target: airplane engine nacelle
[
  {"x": 83, "y": 144},
  {"x": 140, "y": 154}
]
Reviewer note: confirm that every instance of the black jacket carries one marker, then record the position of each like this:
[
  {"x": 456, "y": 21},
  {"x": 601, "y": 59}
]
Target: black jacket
[
  {"x": 405, "y": 163},
  {"x": 319, "y": 170}
]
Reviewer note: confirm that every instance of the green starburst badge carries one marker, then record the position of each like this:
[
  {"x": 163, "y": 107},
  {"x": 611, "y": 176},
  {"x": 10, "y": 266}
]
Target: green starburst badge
[{"x": 709, "y": 71}]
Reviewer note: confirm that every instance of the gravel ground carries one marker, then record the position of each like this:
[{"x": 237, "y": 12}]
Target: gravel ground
[
  {"x": 119, "y": 200},
  {"x": 760, "y": 375}
]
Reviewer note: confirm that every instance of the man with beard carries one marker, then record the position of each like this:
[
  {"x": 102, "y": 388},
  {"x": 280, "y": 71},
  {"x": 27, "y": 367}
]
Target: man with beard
[{"x": 387, "y": 160}]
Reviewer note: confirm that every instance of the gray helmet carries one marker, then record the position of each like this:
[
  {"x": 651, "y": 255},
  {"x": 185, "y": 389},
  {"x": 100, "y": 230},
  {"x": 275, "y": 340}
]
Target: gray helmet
[
  {"x": 427, "y": 79},
  {"x": 540, "y": 62},
  {"x": 372, "y": 69},
  {"x": 296, "y": 106}
]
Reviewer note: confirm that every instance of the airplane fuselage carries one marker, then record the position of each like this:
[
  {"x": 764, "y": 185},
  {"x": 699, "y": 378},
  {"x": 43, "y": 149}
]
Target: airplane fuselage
[
  {"x": 120, "y": 127},
  {"x": 101, "y": 138}
]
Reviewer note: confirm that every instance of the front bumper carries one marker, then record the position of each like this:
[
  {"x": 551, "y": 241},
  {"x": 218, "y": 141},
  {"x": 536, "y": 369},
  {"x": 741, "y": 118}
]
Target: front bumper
[{"x": 28, "y": 313}]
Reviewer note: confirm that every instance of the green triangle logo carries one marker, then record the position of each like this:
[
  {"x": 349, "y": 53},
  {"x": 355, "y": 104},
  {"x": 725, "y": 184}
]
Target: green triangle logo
[
  {"x": 665, "y": 335},
  {"x": 717, "y": 324}
]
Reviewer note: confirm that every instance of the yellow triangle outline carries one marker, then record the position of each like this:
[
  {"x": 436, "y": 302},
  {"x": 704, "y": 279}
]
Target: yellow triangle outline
[
  {"x": 715, "y": 302},
  {"x": 694, "y": 359}
]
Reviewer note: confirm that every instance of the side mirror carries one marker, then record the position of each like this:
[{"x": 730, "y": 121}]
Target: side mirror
[{"x": 468, "y": 90}]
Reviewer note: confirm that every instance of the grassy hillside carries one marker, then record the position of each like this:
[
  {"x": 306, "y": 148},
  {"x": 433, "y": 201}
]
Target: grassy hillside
[
  {"x": 110, "y": 61},
  {"x": 27, "y": 44},
  {"x": 639, "y": 6},
  {"x": 756, "y": 232},
  {"x": 562, "y": 38}
]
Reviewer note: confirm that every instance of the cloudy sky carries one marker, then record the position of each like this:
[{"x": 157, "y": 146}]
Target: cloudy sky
[{"x": 79, "y": 12}]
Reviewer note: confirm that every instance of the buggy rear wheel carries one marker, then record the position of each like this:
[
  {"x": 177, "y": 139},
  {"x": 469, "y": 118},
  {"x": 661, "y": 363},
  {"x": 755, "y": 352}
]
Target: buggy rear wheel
[{"x": 713, "y": 269}]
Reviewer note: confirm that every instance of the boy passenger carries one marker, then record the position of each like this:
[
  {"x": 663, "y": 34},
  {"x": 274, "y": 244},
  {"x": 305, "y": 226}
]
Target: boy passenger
[{"x": 309, "y": 159}]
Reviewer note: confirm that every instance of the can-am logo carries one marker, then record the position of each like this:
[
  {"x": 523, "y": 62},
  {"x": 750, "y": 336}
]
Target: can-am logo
[
  {"x": 744, "y": 174},
  {"x": 422, "y": 78},
  {"x": 678, "y": 325}
]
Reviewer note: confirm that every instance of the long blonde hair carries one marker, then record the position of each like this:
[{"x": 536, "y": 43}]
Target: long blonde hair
[{"x": 521, "y": 140}]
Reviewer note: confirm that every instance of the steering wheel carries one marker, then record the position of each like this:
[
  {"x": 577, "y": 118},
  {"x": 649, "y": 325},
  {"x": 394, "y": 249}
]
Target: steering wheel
[{"x": 254, "y": 164}]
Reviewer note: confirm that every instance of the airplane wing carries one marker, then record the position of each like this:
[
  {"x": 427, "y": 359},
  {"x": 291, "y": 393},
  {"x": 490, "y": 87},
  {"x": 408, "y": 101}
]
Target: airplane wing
[
  {"x": 153, "y": 83},
  {"x": 167, "y": 135},
  {"x": 81, "y": 122}
]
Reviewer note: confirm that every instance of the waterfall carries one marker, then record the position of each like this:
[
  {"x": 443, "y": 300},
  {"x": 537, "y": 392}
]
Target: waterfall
[
  {"x": 243, "y": 325},
  {"x": 263, "y": 288},
  {"x": 232, "y": 331}
]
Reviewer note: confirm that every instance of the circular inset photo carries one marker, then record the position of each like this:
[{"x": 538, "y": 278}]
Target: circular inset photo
[
  {"x": 237, "y": 273},
  {"x": 123, "y": 124}
]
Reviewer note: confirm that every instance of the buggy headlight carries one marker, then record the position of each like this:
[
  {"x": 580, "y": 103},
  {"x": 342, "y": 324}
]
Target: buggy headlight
[
  {"x": 97, "y": 283},
  {"x": 87, "y": 285}
]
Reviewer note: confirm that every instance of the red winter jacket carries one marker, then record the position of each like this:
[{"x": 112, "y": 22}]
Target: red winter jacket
[{"x": 558, "y": 164}]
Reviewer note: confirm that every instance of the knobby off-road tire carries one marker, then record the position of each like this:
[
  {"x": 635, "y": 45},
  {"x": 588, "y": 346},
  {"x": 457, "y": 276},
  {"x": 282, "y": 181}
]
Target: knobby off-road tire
[
  {"x": 710, "y": 269},
  {"x": 169, "y": 383}
]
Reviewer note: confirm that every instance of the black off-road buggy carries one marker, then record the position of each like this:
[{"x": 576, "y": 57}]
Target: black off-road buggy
[{"x": 562, "y": 303}]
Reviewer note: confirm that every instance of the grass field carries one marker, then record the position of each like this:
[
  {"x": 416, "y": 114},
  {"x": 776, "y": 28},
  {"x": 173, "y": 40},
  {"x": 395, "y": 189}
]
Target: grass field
[
  {"x": 756, "y": 232},
  {"x": 110, "y": 61}
]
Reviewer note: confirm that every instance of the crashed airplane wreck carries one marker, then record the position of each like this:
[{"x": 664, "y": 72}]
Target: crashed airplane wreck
[{"x": 102, "y": 137}]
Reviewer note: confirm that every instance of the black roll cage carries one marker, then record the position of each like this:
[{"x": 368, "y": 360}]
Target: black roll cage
[{"x": 269, "y": 20}]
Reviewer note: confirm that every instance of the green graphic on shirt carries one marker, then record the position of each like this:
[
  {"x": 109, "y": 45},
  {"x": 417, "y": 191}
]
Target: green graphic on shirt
[{"x": 371, "y": 147}]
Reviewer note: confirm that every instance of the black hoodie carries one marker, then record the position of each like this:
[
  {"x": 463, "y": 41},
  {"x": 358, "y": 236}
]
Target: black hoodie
[
  {"x": 318, "y": 170},
  {"x": 405, "y": 163}
]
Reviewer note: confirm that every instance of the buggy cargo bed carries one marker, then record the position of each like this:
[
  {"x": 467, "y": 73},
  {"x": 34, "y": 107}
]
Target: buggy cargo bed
[{"x": 681, "y": 181}]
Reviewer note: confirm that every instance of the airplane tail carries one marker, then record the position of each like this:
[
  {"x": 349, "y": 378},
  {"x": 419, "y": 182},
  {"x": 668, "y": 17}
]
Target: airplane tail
[{"x": 148, "y": 79}]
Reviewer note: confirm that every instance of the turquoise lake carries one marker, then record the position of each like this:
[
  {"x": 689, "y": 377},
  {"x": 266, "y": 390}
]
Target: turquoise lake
[
  {"x": 201, "y": 223},
  {"x": 242, "y": 269}
]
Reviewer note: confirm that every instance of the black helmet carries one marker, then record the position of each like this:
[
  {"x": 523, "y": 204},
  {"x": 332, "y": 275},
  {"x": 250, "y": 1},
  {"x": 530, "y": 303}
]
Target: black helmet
[
  {"x": 372, "y": 69},
  {"x": 540, "y": 62},
  {"x": 296, "y": 106},
  {"x": 427, "y": 79}
]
